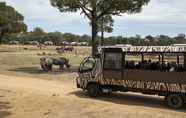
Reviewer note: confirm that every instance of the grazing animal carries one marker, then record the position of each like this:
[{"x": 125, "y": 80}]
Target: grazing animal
[
  {"x": 69, "y": 49},
  {"x": 48, "y": 62},
  {"x": 64, "y": 49},
  {"x": 60, "y": 50}
]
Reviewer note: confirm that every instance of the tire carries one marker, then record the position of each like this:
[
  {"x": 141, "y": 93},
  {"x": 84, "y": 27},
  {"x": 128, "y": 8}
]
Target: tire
[
  {"x": 175, "y": 101},
  {"x": 93, "y": 90}
]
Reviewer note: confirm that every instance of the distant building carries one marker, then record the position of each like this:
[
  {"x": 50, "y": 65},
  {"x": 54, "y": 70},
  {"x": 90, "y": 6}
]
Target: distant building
[
  {"x": 74, "y": 43},
  {"x": 34, "y": 43},
  {"x": 79, "y": 44},
  {"x": 14, "y": 42},
  {"x": 84, "y": 43},
  {"x": 65, "y": 43},
  {"x": 50, "y": 43}
]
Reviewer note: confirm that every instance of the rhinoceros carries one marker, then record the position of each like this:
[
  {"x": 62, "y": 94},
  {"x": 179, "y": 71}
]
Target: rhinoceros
[{"x": 47, "y": 63}]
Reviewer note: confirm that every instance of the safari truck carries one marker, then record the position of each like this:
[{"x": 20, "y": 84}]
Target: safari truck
[{"x": 152, "y": 70}]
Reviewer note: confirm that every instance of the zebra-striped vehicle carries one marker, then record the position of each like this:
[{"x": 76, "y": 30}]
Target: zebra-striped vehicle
[{"x": 152, "y": 70}]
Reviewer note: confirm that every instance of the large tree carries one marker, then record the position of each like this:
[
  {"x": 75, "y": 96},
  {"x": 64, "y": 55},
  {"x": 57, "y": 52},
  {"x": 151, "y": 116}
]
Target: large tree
[
  {"x": 94, "y": 10},
  {"x": 38, "y": 31},
  {"x": 10, "y": 20},
  {"x": 105, "y": 24}
]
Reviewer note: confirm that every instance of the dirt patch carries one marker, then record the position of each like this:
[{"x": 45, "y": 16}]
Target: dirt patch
[{"x": 32, "y": 97}]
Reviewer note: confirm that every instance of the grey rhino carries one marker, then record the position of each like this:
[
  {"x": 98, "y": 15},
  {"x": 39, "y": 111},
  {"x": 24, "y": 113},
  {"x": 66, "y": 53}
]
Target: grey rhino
[{"x": 47, "y": 63}]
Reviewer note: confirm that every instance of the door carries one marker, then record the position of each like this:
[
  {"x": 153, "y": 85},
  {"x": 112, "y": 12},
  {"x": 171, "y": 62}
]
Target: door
[{"x": 112, "y": 65}]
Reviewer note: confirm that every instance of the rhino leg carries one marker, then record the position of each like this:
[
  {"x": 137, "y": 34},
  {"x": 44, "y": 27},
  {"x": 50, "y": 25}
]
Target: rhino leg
[
  {"x": 49, "y": 67},
  {"x": 61, "y": 66},
  {"x": 67, "y": 63},
  {"x": 43, "y": 67}
]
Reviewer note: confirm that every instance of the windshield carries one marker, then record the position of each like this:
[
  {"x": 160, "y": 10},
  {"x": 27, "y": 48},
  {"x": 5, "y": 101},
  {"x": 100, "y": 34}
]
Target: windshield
[{"x": 88, "y": 64}]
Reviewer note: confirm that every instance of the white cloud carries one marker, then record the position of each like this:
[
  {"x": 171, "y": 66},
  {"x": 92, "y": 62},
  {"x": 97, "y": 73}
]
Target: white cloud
[
  {"x": 158, "y": 17},
  {"x": 161, "y": 16},
  {"x": 42, "y": 11},
  {"x": 160, "y": 11}
]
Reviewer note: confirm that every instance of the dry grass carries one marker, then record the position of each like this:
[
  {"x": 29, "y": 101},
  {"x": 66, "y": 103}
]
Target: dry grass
[{"x": 17, "y": 61}]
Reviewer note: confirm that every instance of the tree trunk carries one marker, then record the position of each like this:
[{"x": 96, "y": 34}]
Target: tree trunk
[
  {"x": 102, "y": 33},
  {"x": 1, "y": 36},
  {"x": 102, "y": 38},
  {"x": 94, "y": 36}
]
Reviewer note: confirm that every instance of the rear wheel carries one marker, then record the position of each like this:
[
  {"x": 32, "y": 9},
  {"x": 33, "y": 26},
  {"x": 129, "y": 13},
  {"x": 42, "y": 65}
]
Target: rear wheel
[
  {"x": 93, "y": 90},
  {"x": 175, "y": 101}
]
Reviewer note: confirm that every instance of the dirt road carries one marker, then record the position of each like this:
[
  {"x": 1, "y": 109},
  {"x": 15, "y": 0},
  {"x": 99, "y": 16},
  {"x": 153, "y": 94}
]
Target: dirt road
[{"x": 38, "y": 98}]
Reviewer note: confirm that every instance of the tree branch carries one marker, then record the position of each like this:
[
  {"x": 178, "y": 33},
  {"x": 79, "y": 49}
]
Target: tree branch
[
  {"x": 104, "y": 12},
  {"x": 85, "y": 9},
  {"x": 84, "y": 6}
]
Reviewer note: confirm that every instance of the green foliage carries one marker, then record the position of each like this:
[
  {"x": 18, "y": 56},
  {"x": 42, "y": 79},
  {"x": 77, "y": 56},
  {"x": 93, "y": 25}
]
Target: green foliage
[
  {"x": 10, "y": 20},
  {"x": 57, "y": 38},
  {"x": 101, "y": 7},
  {"x": 38, "y": 31},
  {"x": 94, "y": 10},
  {"x": 105, "y": 24}
]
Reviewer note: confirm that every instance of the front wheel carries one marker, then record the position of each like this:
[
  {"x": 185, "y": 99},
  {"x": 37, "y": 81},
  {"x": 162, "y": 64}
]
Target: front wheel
[
  {"x": 93, "y": 90},
  {"x": 175, "y": 101}
]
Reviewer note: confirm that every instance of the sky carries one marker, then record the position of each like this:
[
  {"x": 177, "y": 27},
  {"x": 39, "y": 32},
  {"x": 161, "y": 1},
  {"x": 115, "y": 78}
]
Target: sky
[{"x": 166, "y": 17}]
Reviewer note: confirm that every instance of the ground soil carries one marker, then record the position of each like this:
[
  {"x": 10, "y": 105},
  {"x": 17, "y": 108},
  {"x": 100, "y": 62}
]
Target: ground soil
[{"x": 24, "y": 97}]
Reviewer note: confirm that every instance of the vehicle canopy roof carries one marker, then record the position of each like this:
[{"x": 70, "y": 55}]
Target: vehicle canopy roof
[{"x": 146, "y": 49}]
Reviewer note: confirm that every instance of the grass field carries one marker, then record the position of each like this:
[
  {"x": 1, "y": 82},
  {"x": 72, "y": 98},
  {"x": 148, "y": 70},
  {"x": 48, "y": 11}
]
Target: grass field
[
  {"x": 22, "y": 60},
  {"x": 25, "y": 60}
]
